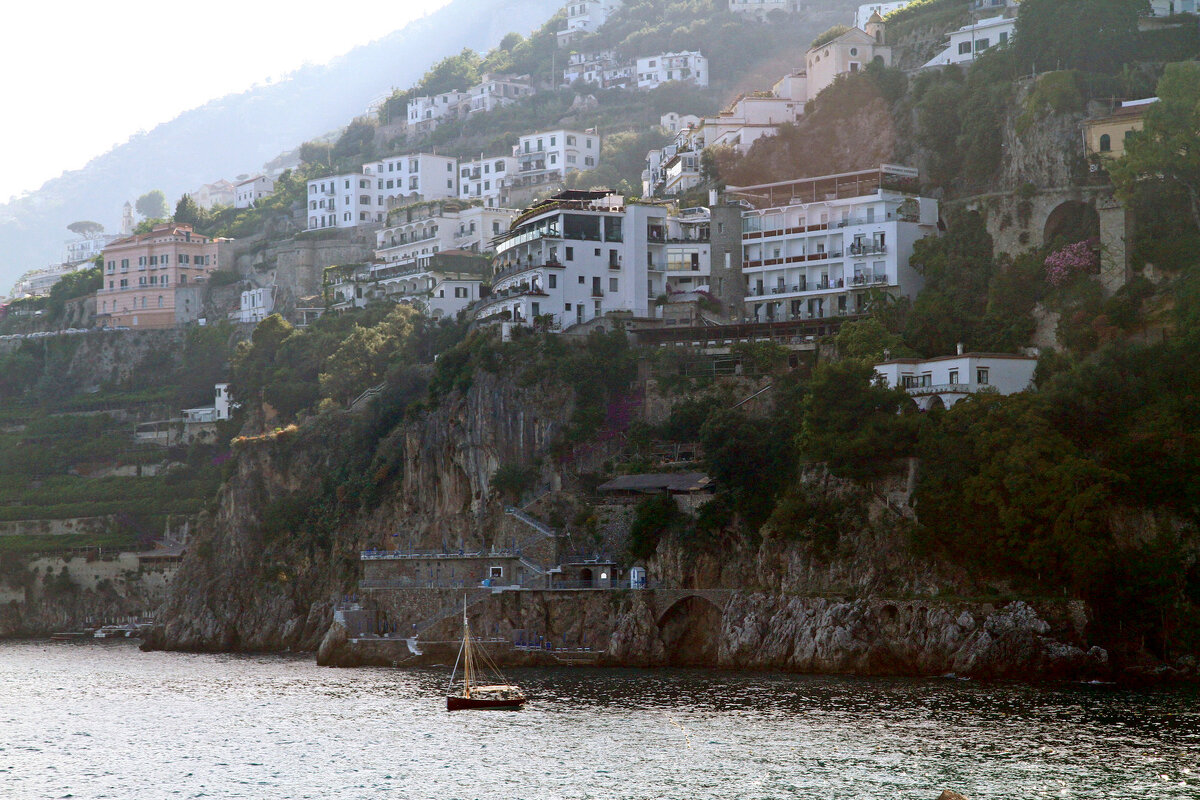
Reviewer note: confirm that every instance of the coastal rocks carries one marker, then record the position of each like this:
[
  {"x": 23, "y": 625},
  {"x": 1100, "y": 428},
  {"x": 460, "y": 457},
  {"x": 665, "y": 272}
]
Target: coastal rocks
[
  {"x": 949, "y": 795},
  {"x": 875, "y": 637}
]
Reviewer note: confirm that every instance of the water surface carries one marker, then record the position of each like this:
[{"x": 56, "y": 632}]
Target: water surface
[{"x": 107, "y": 721}]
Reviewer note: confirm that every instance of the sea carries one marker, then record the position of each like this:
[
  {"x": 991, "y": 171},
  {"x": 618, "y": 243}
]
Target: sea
[{"x": 92, "y": 720}]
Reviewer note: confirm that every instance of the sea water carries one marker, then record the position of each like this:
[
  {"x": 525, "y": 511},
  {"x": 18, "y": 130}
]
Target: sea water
[{"x": 87, "y": 720}]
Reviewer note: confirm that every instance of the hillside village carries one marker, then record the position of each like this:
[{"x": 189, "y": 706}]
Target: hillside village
[{"x": 581, "y": 314}]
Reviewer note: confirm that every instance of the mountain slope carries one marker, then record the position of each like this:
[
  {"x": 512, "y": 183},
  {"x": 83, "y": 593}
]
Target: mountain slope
[{"x": 238, "y": 133}]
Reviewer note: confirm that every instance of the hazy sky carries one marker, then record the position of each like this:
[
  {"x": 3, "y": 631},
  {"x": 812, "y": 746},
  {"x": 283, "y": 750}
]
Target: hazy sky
[{"x": 81, "y": 77}]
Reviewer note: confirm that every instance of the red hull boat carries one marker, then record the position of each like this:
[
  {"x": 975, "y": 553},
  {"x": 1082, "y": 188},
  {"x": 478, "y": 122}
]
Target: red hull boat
[{"x": 499, "y": 695}]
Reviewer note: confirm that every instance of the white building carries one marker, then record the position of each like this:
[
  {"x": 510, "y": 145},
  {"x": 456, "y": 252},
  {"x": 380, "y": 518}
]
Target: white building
[
  {"x": 256, "y": 304},
  {"x": 39, "y": 282},
  {"x": 946, "y": 380},
  {"x": 687, "y": 67},
  {"x": 864, "y": 12},
  {"x": 87, "y": 247},
  {"x": 581, "y": 255},
  {"x": 342, "y": 201},
  {"x": 400, "y": 180},
  {"x": 426, "y": 113},
  {"x": 584, "y": 17},
  {"x": 217, "y": 193},
  {"x": 222, "y": 409},
  {"x": 1167, "y": 8},
  {"x": 496, "y": 91},
  {"x": 819, "y": 247},
  {"x": 429, "y": 228},
  {"x": 970, "y": 40},
  {"x": 761, "y": 8},
  {"x": 673, "y": 122},
  {"x": 346, "y": 201},
  {"x": 846, "y": 54},
  {"x": 601, "y": 67},
  {"x": 440, "y": 284},
  {"x": 544, "y": 159},
  {"x": 247, "y": 193},
  {"x": 480, "y": 179}
]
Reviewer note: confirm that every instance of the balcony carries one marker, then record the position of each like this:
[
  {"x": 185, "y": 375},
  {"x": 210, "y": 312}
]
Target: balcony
[
  {"x": 867, "y": 250},
  {"x": 941, "y": 388},
  {"x": 515, "y": 269},
  {"x": 821, "y": 286}
]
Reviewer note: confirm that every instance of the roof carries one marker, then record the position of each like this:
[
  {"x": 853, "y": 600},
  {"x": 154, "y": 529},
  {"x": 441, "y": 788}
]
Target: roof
[
  {"x": 659, "y": 481},
  {"x": 1010, "y": 356}
]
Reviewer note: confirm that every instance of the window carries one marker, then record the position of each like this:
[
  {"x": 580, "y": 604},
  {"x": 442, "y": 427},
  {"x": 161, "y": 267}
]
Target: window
[
  {"x": 1105, "y": 143},
  {"x": 1003, "y": 37},
  {"x": 582, "y": 279},
  {"x": 982, "y": 44},
  {"x": 552, "y": 281},
  {"x": 570, "y": 254},
  {"x": 612, "y": 284},
  {"x": 981, "y": 376},
  {"x": 964, "y": 48},
  {"x": 412, "y": 183},
  {"x": 953, "y": 376}
]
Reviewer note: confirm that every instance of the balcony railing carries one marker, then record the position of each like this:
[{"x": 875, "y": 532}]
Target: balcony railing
[
  {"x": 822, "y": 286},
  {"x": 867, "y": 250},
  {"x": 941, "y": 388}
]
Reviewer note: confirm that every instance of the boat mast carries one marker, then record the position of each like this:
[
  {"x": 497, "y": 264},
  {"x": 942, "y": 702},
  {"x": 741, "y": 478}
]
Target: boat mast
[{"x": 466, "y": 652}]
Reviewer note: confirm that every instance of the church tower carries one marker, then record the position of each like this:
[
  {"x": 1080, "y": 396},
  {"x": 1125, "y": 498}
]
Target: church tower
[
  {"x": 876, "y": 28},
  {"x": 127, "y": 220}
]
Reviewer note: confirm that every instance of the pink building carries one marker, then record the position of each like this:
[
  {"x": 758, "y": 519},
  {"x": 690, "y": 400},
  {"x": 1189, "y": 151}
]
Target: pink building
[{"x": 151, "y": 279}]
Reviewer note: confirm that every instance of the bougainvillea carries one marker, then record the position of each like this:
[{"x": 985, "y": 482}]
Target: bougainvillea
[{"x": 1080, "y": 258}]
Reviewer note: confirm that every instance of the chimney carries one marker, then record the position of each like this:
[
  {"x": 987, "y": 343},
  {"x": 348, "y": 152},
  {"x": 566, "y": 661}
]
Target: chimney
[{"x": 960, "y": 348}]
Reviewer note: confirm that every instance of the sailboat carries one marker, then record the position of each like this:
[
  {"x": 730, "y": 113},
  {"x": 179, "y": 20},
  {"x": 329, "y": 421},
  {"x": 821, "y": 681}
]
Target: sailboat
[{"x": 499, "y": 694}]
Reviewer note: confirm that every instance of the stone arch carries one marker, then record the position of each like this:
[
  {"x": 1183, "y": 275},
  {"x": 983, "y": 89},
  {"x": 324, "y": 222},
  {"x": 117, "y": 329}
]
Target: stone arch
[
  {"x": 936, "y": 402},
  {"x": 1073, "y": 221},
  {"x": 690, "y": 630}
]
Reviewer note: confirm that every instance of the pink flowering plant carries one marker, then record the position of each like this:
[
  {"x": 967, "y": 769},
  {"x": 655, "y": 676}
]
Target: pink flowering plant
[{"x": 1080, "y": 258}]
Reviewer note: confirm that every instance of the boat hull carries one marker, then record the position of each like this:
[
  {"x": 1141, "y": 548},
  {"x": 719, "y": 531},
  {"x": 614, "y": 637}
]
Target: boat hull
[{"x": 464, "y": 703}]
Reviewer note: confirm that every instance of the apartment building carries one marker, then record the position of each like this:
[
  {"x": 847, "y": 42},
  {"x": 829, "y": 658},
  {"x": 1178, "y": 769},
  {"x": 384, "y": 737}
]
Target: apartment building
[
  {"x": 820, "y": 247},
  {"x": 247, "y": 193},
  {"x": 149, "y": 278},
  {"x": 581, "y": 255},
  {"x": 673, "y": 122},
  {"x": 217, "y": 193},
  {"x": 601, "y": 67},
  {"x": 86, "y": 247},
  {"x": 440, "y": 284},
  {"x": 584, "y": 17},
  {"x": 497, "y": 90},
  {"x": 970, "y": 40},
  {"x": 863, "y": 15},
  {"x": 687, "y": 67},
  {"x": 430, "y": 228},
  {"x": 346, "y": 201},
  {"x": 479, "y": 179},
  {"x": 342, "y": 201},
  {"x": 426, "y": 113},
  {"x": 944, "y": 381},
  {"x": 543, "y": 161}
]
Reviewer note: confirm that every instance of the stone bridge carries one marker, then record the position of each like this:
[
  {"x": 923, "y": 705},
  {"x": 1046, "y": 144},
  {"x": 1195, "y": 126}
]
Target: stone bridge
[
  {"x": 663, "y": 600},
  {"x": 1018, "y": 223}
]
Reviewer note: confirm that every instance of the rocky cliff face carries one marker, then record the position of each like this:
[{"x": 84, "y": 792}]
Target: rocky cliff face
[{"x": 243, "y": 586}]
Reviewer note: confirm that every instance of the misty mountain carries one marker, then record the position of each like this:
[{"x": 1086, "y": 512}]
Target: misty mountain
[{"x": 239, "y": 133}]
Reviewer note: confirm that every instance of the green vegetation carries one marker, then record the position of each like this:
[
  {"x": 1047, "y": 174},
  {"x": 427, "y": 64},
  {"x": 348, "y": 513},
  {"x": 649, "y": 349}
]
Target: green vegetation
[{"x": 152, "y": 205}]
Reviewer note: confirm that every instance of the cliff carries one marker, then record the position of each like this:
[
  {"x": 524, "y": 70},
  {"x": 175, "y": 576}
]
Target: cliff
[
  {"x": 267, "y": 567},
  {"x": 284, "y": 539}
]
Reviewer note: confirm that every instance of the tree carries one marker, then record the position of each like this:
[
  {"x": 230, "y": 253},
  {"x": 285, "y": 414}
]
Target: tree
[
  {"x": 317, "y": 153},
  {"x": 152, "y": 205},
  {"x": 85, "y": 227},
  {"x": 1101, "y": 37},
  {"x": 357, "y": 140},
  {"x": 1167, "y": 150},
  {"x": 851, "y": 422},
  {"x": 188, "y": 213}
]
